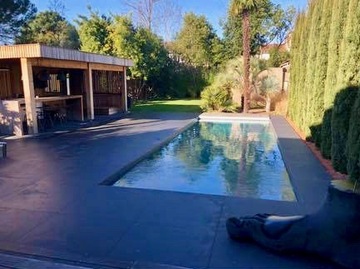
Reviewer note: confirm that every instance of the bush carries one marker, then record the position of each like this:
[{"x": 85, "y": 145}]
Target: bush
[
  {"x": 315, "y": 131},
  {"x": 326, "y": 134},
  {"x": 277, "y": 57},
  {"x": 281, "y": 104},
  {"x": 343, "y": 104},
  {"x": 178, "y": 80},
  {"x": 217, "y": 99},
  {"x": 353, "y": 143}
]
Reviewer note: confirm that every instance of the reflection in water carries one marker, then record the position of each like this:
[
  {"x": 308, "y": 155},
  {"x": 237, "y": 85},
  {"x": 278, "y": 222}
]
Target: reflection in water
[{"x": 237, "y": 159}]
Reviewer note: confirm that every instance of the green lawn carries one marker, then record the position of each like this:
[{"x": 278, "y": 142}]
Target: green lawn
[{"x": 184, "y": 105}]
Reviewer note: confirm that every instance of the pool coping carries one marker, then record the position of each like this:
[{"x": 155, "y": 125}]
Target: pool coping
[{"x": 308, "y": 176}]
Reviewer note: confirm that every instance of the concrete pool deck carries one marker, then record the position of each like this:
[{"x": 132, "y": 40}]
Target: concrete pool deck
[{"x": 53, "y": 206}]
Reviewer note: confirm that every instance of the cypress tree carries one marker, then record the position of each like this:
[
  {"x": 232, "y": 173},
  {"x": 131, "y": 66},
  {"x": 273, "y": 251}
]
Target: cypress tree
[
  {"x": 348, "y": 78},
  {"x": 300, "y": 94},
  {"x": 336, "y": 43},
  {"x": 346, "y": 75},
  {"x": 352, "y": 76},
  {"x": 325, "y": 144},
  {"x": 317, "y": 104},
  {"x": 351, "y": 54},
  {"x": 343, "y": 104},
  {"x": 353, "y": 143},
  {"x": 313, "y": 40},
  {"x": 338, "y": 19},
  {"x": 329, "y": 71},
  {"x": 295, "y": 66}
]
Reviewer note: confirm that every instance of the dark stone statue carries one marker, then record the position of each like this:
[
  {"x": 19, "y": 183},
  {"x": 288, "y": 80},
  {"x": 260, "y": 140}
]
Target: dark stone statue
[{"x": 333, "y": 232}]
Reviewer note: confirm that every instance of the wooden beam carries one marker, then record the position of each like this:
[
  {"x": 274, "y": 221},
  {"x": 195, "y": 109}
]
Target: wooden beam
[
  {"x": 125, "y": 92},
  {"x": 106, "y": 67},
  {"x": 47, "y": 52},
  {"x": 54, "y": 63},
  {"x": 29, "y": 94},
  {"x": 89, "y": 93}
]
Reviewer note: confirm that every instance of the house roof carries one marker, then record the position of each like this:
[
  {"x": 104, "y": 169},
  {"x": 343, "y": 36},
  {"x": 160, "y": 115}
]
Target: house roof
[{"x": 43, "y": 51}]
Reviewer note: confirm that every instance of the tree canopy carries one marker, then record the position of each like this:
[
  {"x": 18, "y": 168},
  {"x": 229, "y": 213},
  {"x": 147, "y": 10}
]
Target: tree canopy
[
  {"x": 197, "y": 42},
  {"x": 148, "y": 54},
  {"x": 50, "y": 28},
  {"x": 94, "y": 32},
  {"x": 117, "y": 36},
  {"x": 270, "y": 23},
  {"x": 13, "y": 15}
]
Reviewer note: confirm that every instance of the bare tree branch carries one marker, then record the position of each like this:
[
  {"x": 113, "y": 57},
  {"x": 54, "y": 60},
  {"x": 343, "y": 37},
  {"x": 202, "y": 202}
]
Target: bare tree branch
[
  {"x": 57, "y": 6},
  {"x": 168, "y": 19},
  {"x": 161, "y": 16}
]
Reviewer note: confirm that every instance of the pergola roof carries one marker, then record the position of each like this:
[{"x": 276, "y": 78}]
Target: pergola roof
[{"x": 43, "y": 51}]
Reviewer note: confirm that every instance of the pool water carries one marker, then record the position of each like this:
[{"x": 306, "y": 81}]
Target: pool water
[{"x": 232, "y": 159}]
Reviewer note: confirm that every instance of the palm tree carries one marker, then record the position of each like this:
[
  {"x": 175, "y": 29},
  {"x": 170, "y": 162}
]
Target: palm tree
[{"x": 244, "y": 7}]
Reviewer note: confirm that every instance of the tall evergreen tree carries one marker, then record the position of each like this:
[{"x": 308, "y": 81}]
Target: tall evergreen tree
[
  {"x": 347, "y": 76},
  {"x": 295, "y": 59},
  {"x": 296, "y": 54},
  {"x": 321, "y": 62},
  {"x": 344, "y": 101},
  {"x": 338, "y": 19},
  {"x": 353, "y": 142},
  {"x": 303, "y": 51},
  {"x": 338, "y": 23},
  {"x": 313, "y": 39},
  {"x": 352, "y": 77},
  {"x": 340, "y": 97},
  {"x": 197, "y": 42}
]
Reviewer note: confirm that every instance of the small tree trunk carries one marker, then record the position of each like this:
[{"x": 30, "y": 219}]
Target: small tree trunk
[
  {"x": 246, "y": 58},
  {"x": 268, "y": 104}
]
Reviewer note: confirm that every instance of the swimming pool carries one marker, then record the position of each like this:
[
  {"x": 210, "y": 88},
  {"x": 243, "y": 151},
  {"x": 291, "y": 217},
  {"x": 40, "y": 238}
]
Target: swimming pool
[{"x": 220, "y": 158}]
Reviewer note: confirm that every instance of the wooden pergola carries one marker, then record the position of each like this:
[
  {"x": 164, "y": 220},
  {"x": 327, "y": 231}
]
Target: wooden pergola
[{"x": 35, "y": 74}]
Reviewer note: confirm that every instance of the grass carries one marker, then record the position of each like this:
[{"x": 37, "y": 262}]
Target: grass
[{"x": 183, "y": 105}]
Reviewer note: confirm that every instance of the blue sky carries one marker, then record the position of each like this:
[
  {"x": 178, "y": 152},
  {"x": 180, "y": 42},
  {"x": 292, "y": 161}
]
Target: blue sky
[{"x": 214, "y": 10}]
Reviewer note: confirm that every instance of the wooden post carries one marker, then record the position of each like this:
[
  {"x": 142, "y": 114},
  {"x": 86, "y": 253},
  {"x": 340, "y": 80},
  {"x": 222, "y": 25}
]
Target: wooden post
[
  {"x": 125, "y": 91},
  {"x": 90, "y": 92},
  {"x": 29, "y": 94}
]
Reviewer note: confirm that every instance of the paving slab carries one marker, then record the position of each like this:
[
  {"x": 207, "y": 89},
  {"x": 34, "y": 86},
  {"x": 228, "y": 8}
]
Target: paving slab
[
  {"x": 54, "y": 203},
  {"x": 16, "y": 262}
]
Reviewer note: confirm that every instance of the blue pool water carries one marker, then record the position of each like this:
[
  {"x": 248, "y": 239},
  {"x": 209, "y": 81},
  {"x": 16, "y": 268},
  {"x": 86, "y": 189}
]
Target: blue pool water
[{"x": 233, "y": 159}]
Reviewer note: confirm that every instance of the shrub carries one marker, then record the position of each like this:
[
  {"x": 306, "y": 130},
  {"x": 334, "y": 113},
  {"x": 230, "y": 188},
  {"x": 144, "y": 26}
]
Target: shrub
[
  {"x": 268, "y": 87},
  {"x": 217, "y": 99},
  {"x": 281, "y": 104},
  {"x": 353, "y": 143},
  {"x": 343, "y": 104},
  {"x": 325, "y": 145},
  {"x": 277, "y": 57}
]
